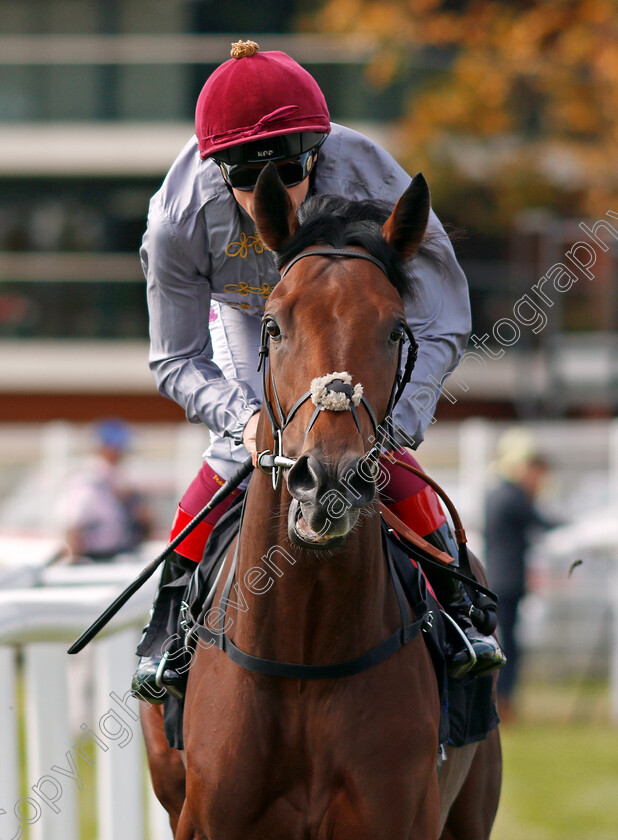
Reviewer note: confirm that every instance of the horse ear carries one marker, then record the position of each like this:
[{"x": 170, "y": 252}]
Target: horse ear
[
  {"x": 405, "y": 227},
  {"x": 273, "y": 210}
]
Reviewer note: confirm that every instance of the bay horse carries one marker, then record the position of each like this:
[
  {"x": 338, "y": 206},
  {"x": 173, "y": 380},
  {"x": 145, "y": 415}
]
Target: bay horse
[{"x": 351, "y": 757}]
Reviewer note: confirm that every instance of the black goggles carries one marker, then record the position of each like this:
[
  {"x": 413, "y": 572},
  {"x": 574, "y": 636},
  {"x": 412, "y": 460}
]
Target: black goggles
[{"x": 291, "y": 171}]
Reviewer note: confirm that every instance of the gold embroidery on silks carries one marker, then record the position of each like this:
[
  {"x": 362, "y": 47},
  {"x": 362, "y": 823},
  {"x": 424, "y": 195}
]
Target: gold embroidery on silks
[
  {"x": 245, "y": 289},
  {"x": 241, "y": 248}
]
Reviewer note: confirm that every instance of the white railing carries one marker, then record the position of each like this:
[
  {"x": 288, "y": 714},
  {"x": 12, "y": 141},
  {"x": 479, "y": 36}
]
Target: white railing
[{"x": 62, "y": 729}]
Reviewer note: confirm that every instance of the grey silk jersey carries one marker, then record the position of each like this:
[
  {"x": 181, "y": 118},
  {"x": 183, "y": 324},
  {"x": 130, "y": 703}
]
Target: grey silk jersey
[{"x": 200, "y": 245}]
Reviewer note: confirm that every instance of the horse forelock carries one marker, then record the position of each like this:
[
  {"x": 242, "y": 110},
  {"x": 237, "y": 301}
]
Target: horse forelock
[{"x": 339, "y": 223}]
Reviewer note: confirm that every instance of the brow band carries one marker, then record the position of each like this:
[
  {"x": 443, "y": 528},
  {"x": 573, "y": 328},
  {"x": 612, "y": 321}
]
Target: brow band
[{"x": 335, "y": 252}]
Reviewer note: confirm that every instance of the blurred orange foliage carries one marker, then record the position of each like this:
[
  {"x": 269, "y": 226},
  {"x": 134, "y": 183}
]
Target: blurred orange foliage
[{"x": 522, "y": 108}]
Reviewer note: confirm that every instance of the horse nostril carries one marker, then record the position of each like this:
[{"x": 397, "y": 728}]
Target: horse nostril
[
  {"x": 303, "y": 480},
  {"x": 359, "y": 485},
  {"x": 309, "y": 479}
]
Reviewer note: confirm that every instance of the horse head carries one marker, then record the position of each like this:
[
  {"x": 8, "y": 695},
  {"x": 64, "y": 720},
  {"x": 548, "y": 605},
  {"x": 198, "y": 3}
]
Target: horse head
[{"x": 334, "y": 327}]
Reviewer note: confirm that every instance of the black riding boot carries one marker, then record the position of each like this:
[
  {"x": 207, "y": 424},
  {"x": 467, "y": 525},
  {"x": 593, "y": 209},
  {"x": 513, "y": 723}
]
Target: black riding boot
[
  {"x": 482, "y": 654},
  {"x": 153, "y": 680}
]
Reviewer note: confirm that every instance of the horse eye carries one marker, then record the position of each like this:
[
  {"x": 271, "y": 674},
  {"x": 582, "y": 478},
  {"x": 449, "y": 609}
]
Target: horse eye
[
  {"x": 272, "y": 328},
  {"x": 396, "y": 335}
]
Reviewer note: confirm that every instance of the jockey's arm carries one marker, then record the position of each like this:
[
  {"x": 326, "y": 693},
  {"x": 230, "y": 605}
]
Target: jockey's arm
[
  {"x": 180, "y": 347},
  {"x": 439, "y": 317}
]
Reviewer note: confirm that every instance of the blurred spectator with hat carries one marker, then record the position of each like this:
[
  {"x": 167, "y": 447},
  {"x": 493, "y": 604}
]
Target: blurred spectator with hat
[
  {"x": 103, "y": 515},
  {"x": 511, "y": 520}
]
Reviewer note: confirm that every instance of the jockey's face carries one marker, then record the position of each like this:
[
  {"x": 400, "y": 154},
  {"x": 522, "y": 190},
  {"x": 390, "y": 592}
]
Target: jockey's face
[{"x": 297, "y": 193}]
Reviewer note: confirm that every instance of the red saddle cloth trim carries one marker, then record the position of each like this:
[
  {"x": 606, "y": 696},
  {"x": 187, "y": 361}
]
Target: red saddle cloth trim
[
  {"x": 421, "y": 512},
  {"x": 192, "y": 547}
]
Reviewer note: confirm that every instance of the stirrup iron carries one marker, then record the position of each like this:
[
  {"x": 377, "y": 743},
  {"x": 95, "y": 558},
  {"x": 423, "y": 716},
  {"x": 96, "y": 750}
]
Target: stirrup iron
[{"x": 470, "y": 662}]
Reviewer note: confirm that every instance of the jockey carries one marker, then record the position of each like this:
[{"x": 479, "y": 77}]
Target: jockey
[{"x": 209, "y": 276}]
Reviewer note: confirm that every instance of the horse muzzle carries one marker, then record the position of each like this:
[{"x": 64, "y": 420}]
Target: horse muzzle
[{"x": 326, "y": 501}]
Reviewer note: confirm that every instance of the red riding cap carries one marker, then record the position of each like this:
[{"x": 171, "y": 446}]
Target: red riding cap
[{"x": 257, "y": 95}]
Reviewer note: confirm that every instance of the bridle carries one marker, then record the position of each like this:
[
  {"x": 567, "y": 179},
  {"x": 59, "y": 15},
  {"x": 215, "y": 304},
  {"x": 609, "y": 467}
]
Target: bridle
[{"x": 275, "y": 462}]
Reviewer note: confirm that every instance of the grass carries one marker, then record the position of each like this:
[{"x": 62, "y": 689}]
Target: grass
[
  {"x": 87, "y": 801},
  {"x": 560, "y": 767}
]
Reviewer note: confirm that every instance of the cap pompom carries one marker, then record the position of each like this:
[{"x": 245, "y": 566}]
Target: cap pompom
[{"x": 242, "y": 49}]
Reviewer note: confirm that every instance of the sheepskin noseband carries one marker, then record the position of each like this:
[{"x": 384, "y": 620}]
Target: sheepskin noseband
[{"x": 334, "y": 392}]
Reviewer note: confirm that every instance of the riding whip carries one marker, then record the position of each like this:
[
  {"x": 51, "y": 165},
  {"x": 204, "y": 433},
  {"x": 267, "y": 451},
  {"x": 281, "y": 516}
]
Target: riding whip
[{"x": 230, "y": 485}]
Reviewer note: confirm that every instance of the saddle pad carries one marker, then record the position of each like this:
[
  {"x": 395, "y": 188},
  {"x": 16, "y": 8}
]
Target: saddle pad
[{"x": 468, "y": 710}]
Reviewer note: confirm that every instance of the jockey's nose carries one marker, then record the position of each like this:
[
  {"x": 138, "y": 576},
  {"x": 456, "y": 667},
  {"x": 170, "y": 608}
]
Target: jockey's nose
[{"x": 310, "y": 479}]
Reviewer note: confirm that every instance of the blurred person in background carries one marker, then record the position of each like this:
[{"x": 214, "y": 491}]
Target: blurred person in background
[
  {"x": 103, "y": 515},
  {"x": 208, "y": 279},
  {"x": 512, "y": 519}
]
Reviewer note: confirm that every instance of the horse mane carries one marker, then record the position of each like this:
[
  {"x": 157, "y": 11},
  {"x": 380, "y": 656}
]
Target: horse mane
[{"x": 340, "y": 222}]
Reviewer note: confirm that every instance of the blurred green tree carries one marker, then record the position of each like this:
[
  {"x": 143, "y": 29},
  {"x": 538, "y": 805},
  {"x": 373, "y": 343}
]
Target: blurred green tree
[{"x": 520, "y": 110}]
